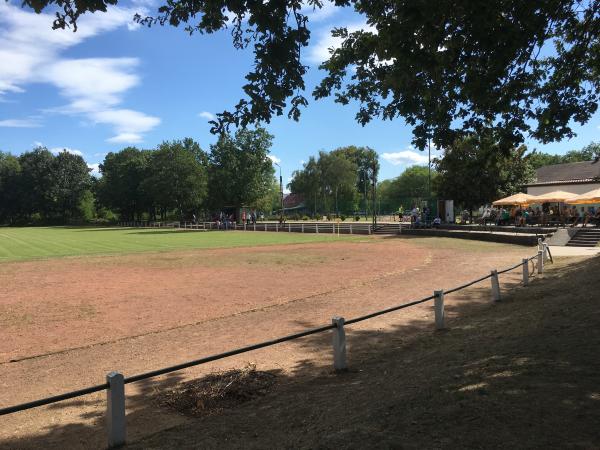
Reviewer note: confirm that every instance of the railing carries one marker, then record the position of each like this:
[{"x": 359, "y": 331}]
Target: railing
[{"x": 115, "y": 382}]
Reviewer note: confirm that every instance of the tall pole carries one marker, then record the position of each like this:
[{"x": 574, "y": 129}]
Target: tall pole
[{"x": 280, "y": 188}]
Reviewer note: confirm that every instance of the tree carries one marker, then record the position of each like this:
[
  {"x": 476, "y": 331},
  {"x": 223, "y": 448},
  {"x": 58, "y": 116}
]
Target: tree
[
  {"x": 307, "y": 182},
  {"x": 473, "y": 172},
  {"x": 447, "y": 68},
  {"x": 10, "y": 171},
  {"x": 240, "y": 172},
  {"x": 36, "y": 183},
  {"x": 120, "y": 187},
  {"x": 338, "y": 179},
  {"x": 71, "y": 183},
  {"x": 587, "y": 153},
  {"x": 367, "y": 166},
  {"x": 176, "y": 177},
  {"x": 409, "y": 189}
]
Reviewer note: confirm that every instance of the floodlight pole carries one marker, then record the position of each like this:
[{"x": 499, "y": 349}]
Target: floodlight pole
[{"x": 280, "y": 188}]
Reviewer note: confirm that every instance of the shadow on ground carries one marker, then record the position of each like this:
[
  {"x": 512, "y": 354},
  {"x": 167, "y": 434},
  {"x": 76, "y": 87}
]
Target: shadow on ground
[{"x": 523, "y": 373}]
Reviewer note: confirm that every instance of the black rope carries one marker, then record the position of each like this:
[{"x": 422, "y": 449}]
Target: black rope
[
  {"x": 389, "y": 310},
  {"x": 197, "y": 362},
  {"x": 155, "y": 373},
  {"x": 463, "y": 286},
  {"x": 53, "y": 399},
  {"x": 511, "y": 268}
]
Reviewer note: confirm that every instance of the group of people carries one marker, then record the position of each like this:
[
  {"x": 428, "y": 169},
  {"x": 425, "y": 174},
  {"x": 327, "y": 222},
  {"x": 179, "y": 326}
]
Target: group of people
[{"x": 521, "y": 216}]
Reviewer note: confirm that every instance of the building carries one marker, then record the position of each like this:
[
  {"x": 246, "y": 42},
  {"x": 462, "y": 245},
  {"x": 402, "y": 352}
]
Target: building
[{"x": 578, "y": 178}]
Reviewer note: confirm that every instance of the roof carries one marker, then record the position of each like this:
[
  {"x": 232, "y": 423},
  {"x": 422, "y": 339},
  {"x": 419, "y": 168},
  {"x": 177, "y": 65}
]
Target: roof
[
  {"x": 569, "y": 173},
  {"x": 292, "y": 200}
]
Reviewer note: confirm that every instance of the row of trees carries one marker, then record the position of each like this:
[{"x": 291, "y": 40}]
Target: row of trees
[
  {"x": 178, "y": 179},
  {"x": 41, "y": 186},
  {"x": 473, "y": 171},
  {"x": 343, "y": 180}
]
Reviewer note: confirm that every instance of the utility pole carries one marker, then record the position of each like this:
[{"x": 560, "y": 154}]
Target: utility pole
[{"x": 280, "y": 190}]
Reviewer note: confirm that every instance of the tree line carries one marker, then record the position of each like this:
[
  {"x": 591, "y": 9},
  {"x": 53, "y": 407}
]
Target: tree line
[
  {"x": 343, "y": 181},
  {"x": 473, "y": 171},
  {"x": 177, "y": 180}
]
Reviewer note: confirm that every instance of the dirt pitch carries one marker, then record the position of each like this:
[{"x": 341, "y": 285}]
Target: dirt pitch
[{"x": 66, "y": 322}]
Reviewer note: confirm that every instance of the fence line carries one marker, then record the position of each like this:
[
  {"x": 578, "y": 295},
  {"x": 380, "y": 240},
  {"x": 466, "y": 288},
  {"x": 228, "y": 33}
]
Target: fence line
[{"x": 115, "y": 381}]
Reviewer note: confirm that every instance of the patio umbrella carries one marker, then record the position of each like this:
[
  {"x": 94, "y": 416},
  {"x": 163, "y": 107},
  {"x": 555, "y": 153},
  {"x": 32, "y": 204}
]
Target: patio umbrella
[
  {"x": 586, "y": 198},
  {"x": 553, "y": 197},
  {"x": 517, "y": 199}
]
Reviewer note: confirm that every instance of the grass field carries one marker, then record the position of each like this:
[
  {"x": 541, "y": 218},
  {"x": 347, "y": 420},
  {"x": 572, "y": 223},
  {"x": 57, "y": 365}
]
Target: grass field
[{"x": 47, "y": 242}]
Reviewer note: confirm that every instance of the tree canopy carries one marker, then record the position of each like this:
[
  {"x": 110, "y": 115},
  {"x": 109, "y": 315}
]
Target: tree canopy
[
  {"x": 447, "y": 68},
  {"x": 240, "y": 172},
  {"x": 473, "y": 172},
  {"x": 342, "y": 180}
]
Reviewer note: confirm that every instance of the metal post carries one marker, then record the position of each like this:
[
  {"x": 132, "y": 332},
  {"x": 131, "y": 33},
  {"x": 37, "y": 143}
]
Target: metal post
[
  {"x": 545, "y": 250},
  {"x": 339, "y": 344},
  {"x": 525, "y": 271},
  {"x": 439, "y": 309},
  {"x": 495, "y": 286},
  {"x": 540, "y": 261},
  {"x": 115, "y": 409}
]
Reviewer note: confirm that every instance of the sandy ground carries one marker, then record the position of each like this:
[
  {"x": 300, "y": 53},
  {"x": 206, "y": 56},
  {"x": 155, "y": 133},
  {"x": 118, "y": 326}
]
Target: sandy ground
[{"x": 68, "y": 322}]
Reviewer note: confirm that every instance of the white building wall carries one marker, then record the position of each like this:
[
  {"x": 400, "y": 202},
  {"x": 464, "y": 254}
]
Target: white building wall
[{"x": 576, "y": 189}]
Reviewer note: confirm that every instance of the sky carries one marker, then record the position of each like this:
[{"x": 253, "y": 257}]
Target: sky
[{"x": 114, "y": 84}]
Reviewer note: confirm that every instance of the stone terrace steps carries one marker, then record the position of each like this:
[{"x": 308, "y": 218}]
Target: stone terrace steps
[{"x": 585, "y": 237}]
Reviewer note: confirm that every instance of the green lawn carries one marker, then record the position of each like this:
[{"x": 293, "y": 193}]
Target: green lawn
[{"x": 50, "y": 242}]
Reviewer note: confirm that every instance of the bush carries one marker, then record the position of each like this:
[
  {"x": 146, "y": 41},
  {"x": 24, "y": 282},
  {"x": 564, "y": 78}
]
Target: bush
[
  {"x": 305, "y": 218},
  {"x": 342, "y": 217},
  {"x": 356, "y": 218}
]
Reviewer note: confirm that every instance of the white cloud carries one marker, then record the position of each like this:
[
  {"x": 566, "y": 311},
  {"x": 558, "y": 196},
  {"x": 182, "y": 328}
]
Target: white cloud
[
  {"x": 20, "y": 123},
  {"x": 206, "y": 115},
  {"x": 95, "y": 169},
  {"x": 31, "y": 52},
  {"x": 274, "y": 158},
  {"x": 319, "y": 51},
  {"x": 405, "y": 157},
  {"x": 320, "y": 14},
  {"x": 125, "y": 138},
  {"x": 57, "y": 150}
]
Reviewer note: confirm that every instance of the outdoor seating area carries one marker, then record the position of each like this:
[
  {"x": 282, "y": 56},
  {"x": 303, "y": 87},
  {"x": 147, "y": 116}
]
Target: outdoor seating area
[{"x": 557, "y": 208}]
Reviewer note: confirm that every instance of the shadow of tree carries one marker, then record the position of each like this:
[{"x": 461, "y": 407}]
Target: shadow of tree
[{"x": 520, "y": 373}]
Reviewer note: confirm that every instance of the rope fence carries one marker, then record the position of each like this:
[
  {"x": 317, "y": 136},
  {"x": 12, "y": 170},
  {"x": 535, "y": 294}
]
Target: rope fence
[{"x": 115, "y": 382}]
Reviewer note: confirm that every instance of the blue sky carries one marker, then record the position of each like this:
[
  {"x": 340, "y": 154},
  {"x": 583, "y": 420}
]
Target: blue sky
[{"x": 114, "y": 84}]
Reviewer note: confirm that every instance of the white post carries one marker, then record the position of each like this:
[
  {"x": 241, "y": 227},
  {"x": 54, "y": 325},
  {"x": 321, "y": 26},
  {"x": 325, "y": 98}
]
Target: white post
[
  {"x": 244, "y": 226},
  {"x": 369, "y": 226},
  {"x": 276, "y": 227},
  {"x": 333, "y": 228},
  {"x": 317, "y": 227},
  {"x": 350, "y": 228},
  {"x": 540, "y": 261},
  {"x": 525, "y": 271},
  {"x": 539, "y": 244},
  {"x": 254, "y": 227},
  {"x": 495, "y": 286},
  {"x": 303, "y": 227},
  {"x": 115, "y": 409},
  {"x": 265, "y": 226},
  {"x": 439, "y": 309},
  {"x": 289, "y": 227},
  {"x": 339, "y": 344}
]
